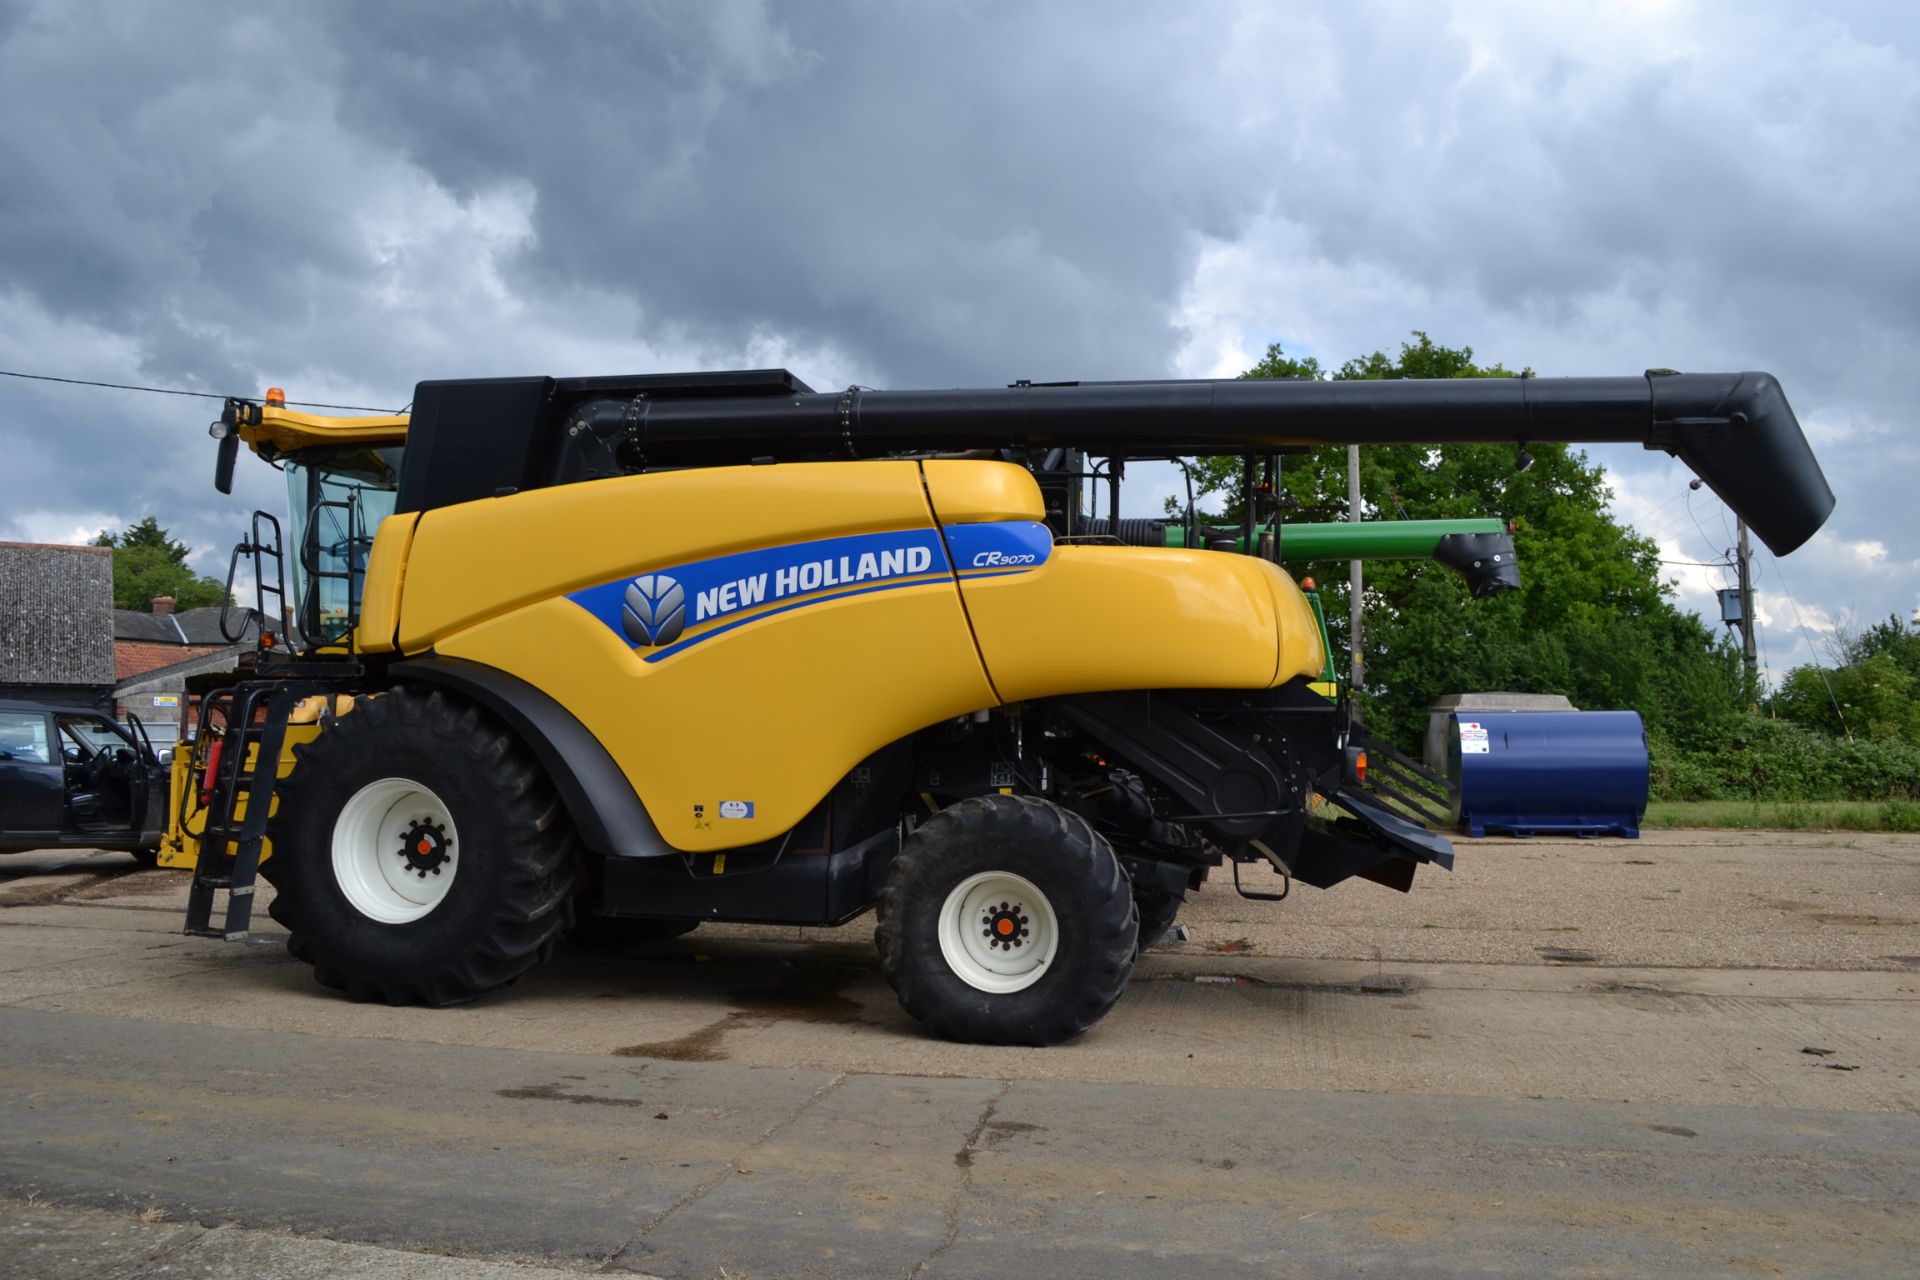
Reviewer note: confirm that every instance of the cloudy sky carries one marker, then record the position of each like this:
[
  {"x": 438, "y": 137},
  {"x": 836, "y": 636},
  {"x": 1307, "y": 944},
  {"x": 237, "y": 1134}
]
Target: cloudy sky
[{"x": 343, "y": 199}]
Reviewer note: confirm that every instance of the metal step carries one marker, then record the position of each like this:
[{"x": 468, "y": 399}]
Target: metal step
[{"x": 229, "y": 858}]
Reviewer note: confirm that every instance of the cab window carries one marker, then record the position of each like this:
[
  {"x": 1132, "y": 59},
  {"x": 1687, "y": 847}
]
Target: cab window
[
  {"x": 337, "y": 498},
  {"x": 23, "y": 738},
  {"x": 90, "y": 736}
]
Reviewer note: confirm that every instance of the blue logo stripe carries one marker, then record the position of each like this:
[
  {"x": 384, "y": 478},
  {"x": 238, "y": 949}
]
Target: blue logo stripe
[
  {"x": 725, "y": 627},
  {"x": 1000, "y": 546},
  {"x": 706, "y": 598}
]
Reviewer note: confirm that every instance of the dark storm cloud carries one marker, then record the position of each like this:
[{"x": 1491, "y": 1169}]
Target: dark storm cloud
[
  {"x": 347, "y": 198},
  {"x": 948, "y": 193}
]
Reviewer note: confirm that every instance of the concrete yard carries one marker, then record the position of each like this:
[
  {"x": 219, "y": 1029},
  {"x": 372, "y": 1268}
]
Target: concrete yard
[{"x": 1567, "y": 1058}]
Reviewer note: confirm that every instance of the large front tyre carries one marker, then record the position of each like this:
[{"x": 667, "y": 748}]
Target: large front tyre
[
  {"x": 420, "y": 855},
  {"x": 1006, "y": 920}
]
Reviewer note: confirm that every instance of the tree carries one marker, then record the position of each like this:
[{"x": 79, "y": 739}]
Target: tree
[
  {"x": 1894, "y": 638},
  {"x": 1871, "y": 691},
  {"x": 147, "y": 562},
  {"x": 1593, "y": 622}
]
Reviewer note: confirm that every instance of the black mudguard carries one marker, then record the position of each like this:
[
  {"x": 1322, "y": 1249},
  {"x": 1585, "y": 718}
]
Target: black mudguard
[{"x": 606, "y": 813}]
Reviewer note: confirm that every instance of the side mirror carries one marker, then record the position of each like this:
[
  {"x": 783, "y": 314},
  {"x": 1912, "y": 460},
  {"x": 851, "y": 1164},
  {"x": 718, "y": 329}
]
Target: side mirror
[
  {"x": 73, "y": 755},
  {"x": 223, "y": 462},
  {"x": 226, "y": 429}
]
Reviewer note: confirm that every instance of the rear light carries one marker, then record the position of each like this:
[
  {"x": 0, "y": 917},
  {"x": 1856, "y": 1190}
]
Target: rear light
[{"x": 1356, "y": 762}]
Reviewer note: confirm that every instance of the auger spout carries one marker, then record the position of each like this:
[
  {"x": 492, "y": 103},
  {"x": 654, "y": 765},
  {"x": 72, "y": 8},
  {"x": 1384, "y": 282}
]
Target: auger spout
[{"x": 1735, "y": 430}]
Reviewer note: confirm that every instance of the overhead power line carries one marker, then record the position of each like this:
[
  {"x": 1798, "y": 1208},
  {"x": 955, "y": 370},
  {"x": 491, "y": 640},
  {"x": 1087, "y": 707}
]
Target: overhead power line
[
  {"x": 175, "y": 391},
  {"x": 1819, "y": 670},
  {"x": 1696, "y": 521}
]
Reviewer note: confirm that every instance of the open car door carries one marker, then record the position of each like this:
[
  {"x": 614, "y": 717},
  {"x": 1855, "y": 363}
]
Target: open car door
[{"x": 149, "y": 788}]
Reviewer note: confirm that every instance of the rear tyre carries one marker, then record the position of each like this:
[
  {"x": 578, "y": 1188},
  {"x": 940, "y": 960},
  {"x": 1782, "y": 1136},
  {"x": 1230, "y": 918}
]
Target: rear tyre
[
  {"x": 420, "y": 855},
  {"x": 1006, "y": 920},
  {"x": 1157, "y": 914},
  {"x": 1158, "y": 911}
]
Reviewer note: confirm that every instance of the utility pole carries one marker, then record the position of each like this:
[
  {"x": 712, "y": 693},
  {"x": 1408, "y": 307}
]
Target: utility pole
[
  {"x": 1354, "y": 585},
  {"x": 1745, "y": 564}
]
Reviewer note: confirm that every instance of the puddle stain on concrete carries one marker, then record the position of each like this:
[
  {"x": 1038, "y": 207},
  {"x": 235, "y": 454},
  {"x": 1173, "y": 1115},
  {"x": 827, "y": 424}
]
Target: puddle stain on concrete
[
  {"x": 1379, "y": 984},
  {"x": 1815, "y": 912},
  {"x": 998, "y": 1131},
  {"x": 797, "y": 993},
  {"x": 1612, "y": 988},
  {"x": 553, "y": 1093},
  {"x": 702, "y": 1045}
]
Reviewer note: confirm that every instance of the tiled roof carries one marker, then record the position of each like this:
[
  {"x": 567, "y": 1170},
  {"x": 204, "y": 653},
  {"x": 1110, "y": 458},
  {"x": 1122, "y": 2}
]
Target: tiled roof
[
  {"x": 136, "y": 657},
  {"x": 203, "y": 625},
  {"x": 148, "y": 628},
  {"x": 162, "y": 679},
  {"x": 188, "y": 627}
]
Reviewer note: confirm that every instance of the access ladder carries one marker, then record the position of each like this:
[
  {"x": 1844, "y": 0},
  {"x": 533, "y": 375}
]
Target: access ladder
[{"x": 244, "y": 761}]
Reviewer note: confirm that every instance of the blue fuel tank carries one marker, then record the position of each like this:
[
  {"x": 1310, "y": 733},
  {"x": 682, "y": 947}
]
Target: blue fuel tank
[{"x": 1562, "y": 772}]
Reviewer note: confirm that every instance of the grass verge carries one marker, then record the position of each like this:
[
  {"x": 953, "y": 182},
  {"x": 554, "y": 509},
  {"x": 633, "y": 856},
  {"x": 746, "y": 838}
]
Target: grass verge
[{"x": 1830, "y": 815}]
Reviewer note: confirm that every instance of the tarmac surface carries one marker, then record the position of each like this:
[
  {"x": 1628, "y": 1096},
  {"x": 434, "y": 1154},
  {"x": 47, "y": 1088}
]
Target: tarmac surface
[{"x": 1696, "y": 1053}]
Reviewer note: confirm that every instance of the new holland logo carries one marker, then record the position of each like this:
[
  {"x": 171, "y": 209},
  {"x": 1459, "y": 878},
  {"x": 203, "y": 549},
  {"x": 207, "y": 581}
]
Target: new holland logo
[
  {"x": 678, "y": 605},
  {"x": 655, "y": 610}
]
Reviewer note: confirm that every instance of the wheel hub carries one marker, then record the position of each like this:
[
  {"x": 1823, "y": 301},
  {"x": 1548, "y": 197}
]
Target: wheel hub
[
  {"x": 425, "y": 847},
  {"x": 1005, "y": 927},
  {"x": 394, "y": 846},
  {"x": 998, "y": 932}
]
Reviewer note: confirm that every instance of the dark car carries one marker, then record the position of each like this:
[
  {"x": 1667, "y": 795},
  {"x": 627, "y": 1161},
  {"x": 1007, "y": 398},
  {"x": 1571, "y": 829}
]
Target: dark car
[{"x": 72, "y": 778}]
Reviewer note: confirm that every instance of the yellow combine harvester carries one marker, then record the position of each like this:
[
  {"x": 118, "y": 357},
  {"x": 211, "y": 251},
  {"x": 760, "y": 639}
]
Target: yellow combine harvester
[{"x": 680, "y": 648}]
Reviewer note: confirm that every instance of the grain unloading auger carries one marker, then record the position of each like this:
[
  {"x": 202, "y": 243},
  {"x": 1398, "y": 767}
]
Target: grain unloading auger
[{"x": 718, "y": 647}]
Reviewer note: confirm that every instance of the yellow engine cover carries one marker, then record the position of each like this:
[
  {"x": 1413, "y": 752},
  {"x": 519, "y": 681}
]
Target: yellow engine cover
[{"x": 740, "y": 638}]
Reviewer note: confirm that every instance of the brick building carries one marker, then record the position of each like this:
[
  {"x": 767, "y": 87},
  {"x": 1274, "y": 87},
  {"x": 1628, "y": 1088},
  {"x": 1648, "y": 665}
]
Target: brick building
[
  {"x": 154, "y": 653},
  {"x": 143, "y": 642}
]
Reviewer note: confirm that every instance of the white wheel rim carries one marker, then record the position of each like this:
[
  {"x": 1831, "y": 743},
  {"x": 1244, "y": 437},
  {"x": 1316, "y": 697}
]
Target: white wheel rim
[
  {"x": 998, "y": 932},
  {"x": 371, "y": 838}
]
